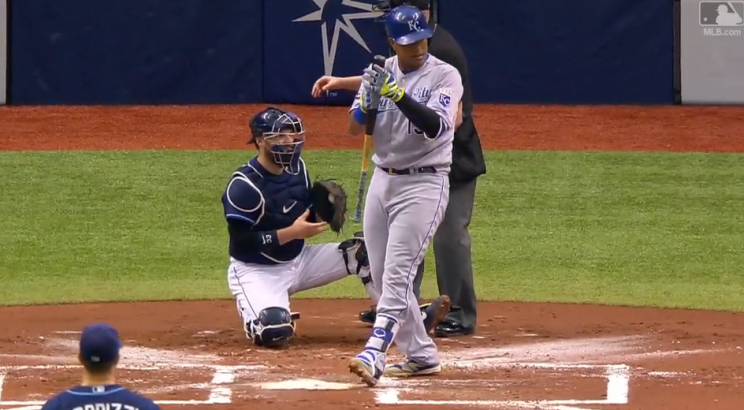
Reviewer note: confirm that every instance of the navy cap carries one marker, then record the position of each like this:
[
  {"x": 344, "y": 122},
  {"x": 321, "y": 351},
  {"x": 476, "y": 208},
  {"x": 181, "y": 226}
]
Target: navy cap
[{"x": 99, "y": 343}]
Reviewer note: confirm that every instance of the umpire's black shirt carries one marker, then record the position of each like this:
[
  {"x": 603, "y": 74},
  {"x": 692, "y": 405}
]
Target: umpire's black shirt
[{"x": 467, "y": 154}]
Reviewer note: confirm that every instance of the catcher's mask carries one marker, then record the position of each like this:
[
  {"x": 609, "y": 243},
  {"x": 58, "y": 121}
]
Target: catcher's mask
[{"x": 283, "y": 134}]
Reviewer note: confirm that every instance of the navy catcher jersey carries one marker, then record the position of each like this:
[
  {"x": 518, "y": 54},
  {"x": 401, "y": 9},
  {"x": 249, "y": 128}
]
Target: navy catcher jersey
[
  {"x": 108, "y": 397},
  {"x": 259, "y": 201}
]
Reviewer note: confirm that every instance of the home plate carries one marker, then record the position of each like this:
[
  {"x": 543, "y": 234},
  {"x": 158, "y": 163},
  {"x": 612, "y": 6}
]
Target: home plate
[{"x": 305, "y": 384}]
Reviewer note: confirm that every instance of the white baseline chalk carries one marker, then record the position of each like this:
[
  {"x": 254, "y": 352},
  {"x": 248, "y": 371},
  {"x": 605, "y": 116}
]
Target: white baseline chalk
[
  {"x": 221, "y": 391},
  {"x": 154, "y": 366},
  {"x": 2, "y": 382},
  {"x": 618, "y": 386}
]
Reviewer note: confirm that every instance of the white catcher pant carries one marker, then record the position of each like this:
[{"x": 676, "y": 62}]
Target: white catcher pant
[{"x": 256, "y": 287}]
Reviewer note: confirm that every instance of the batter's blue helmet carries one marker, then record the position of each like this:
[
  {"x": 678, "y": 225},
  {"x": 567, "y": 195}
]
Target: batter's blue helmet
[{"x": 407, "y": 25}]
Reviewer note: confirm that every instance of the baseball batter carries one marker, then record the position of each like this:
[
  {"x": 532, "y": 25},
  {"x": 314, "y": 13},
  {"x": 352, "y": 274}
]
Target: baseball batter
[{"x": 409, "y": 191}]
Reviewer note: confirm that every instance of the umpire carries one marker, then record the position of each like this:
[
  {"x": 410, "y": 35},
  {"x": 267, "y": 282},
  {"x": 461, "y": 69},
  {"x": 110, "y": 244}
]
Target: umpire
[
  {"x": 452, "y": 251},
  {"x": 99, "y": 355}
]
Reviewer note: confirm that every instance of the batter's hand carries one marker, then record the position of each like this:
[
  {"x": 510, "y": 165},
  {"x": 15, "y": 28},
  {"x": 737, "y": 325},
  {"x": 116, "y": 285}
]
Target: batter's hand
[
  {"x": 369, "y": 98},
  {"x": 325, "y": 84},
  {"x": 382, "y": 79},
  {"x": 302, "y": 229}
]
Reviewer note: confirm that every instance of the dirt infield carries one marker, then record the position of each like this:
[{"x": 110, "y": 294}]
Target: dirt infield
[
  {"x": 653, "y": 128},
  {"x": 523, "y": 356}
]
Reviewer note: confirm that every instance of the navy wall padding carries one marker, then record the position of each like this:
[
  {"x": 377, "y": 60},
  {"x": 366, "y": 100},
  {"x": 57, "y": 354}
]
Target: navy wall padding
[
  {"x": 243, "y": 51},
  {"x": 136, "y": 51},
  {"x": 295, "y": 54},
  {"x": 570, "y": 52}
]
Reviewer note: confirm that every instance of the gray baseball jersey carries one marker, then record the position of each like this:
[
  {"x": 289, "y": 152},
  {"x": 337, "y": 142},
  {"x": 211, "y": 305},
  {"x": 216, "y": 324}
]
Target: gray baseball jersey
[{"x": 397, "y": 143}]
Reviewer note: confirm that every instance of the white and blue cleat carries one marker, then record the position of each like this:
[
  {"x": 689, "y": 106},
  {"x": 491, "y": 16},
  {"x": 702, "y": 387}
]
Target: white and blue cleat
[{"x": 369, "y": 366}]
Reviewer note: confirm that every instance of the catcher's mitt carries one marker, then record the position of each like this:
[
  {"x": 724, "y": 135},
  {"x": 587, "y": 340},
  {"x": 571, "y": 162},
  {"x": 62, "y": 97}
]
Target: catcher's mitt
[{"x": 329, "y": 200}]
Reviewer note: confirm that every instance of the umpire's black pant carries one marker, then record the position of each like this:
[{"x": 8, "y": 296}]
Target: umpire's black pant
[{"x": 452, "y": 253}]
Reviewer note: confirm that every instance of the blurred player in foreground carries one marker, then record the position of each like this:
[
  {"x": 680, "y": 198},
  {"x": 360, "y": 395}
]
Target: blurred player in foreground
[{"x": 99, "y": 355}]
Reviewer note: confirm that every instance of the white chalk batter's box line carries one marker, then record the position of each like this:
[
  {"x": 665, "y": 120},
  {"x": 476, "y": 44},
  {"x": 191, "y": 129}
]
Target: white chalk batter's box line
[
  {"x": 154, "y": 366},
  {"x": 220, "y": 392},
  {"x": 617, "y": 376},
  {"x": 618, "y": 387}
]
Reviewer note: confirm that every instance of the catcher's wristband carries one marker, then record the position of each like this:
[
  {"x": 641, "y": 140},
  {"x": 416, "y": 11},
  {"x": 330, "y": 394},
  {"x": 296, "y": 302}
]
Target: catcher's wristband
[{"x": 263, "y": 241}]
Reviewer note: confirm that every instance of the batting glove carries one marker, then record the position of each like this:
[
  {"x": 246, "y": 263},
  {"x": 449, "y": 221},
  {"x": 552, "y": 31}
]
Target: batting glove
[
  {"x": 383, "y": 79},
  {"x": 368, "y": 99}
]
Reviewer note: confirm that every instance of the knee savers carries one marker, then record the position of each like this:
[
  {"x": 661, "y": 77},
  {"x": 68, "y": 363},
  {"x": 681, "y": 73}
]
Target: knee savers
[
  {"x": 356, "y": 247},
  {"x": 273, "y": 328}
]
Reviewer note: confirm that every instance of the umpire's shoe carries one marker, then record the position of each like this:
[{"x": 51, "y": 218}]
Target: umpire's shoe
[
  {"x": 369, "y": 315},
  {"x": 452, "y": 328},
  {"x": 433, "y": 313}
]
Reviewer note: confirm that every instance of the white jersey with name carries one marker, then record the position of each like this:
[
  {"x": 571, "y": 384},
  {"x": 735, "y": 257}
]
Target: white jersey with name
[{"x": 397, "y": 142}]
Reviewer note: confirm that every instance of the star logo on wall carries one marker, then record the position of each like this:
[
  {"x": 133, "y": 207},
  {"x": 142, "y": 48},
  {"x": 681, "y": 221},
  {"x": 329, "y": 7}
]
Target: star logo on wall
[{"x": 344, "y": 22}]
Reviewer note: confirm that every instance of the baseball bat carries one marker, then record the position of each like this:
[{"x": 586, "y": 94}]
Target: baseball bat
[
  {"x": 731, "y": 6},
  {"x": 369, "y": 129}
]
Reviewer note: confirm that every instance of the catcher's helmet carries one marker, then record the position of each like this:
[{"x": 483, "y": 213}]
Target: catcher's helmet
[
  {"x": 407, "y": 25},
  {"x": 272, "y": 122}
]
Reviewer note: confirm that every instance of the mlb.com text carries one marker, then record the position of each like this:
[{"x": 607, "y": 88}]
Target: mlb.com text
[{"x": 716, "y": 31}]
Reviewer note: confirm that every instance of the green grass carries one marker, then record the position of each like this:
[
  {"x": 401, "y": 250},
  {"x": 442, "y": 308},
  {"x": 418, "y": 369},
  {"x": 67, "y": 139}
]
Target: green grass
[{"x": 617, "y": 228}]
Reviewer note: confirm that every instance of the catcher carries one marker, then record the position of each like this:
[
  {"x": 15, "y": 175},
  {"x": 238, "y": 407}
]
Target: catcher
[{"x": 272, "y": 206}]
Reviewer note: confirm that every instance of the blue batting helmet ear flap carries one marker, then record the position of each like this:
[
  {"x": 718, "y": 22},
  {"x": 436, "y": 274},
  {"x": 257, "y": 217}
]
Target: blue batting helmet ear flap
[{"x": 407, "y": 25}]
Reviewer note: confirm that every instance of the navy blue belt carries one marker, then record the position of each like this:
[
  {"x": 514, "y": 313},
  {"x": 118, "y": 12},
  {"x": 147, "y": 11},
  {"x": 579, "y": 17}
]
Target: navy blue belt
[{"x": 409, "y": 171}]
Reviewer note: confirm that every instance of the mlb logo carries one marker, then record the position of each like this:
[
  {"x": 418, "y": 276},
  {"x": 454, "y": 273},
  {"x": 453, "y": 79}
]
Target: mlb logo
[{"x": 722, "y": 13}]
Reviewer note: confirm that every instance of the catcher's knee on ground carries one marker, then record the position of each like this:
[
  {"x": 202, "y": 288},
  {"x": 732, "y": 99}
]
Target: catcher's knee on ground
[{"x": 274, "y": 327}]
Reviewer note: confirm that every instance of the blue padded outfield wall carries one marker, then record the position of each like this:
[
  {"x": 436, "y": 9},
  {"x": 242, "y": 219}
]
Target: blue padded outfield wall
[
  {"x": 136, "y": 51},
  {"x": 560, "y": 51},
  {"x": 245, "y": 51}
]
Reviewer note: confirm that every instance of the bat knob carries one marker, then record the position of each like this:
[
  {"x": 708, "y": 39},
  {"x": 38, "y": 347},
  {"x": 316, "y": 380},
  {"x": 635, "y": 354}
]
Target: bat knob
[{"x": 379, "y": 60}]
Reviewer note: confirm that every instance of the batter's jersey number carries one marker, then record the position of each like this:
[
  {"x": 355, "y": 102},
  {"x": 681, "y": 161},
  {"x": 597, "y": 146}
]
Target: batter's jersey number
[{"x": 266, "y": 239}]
